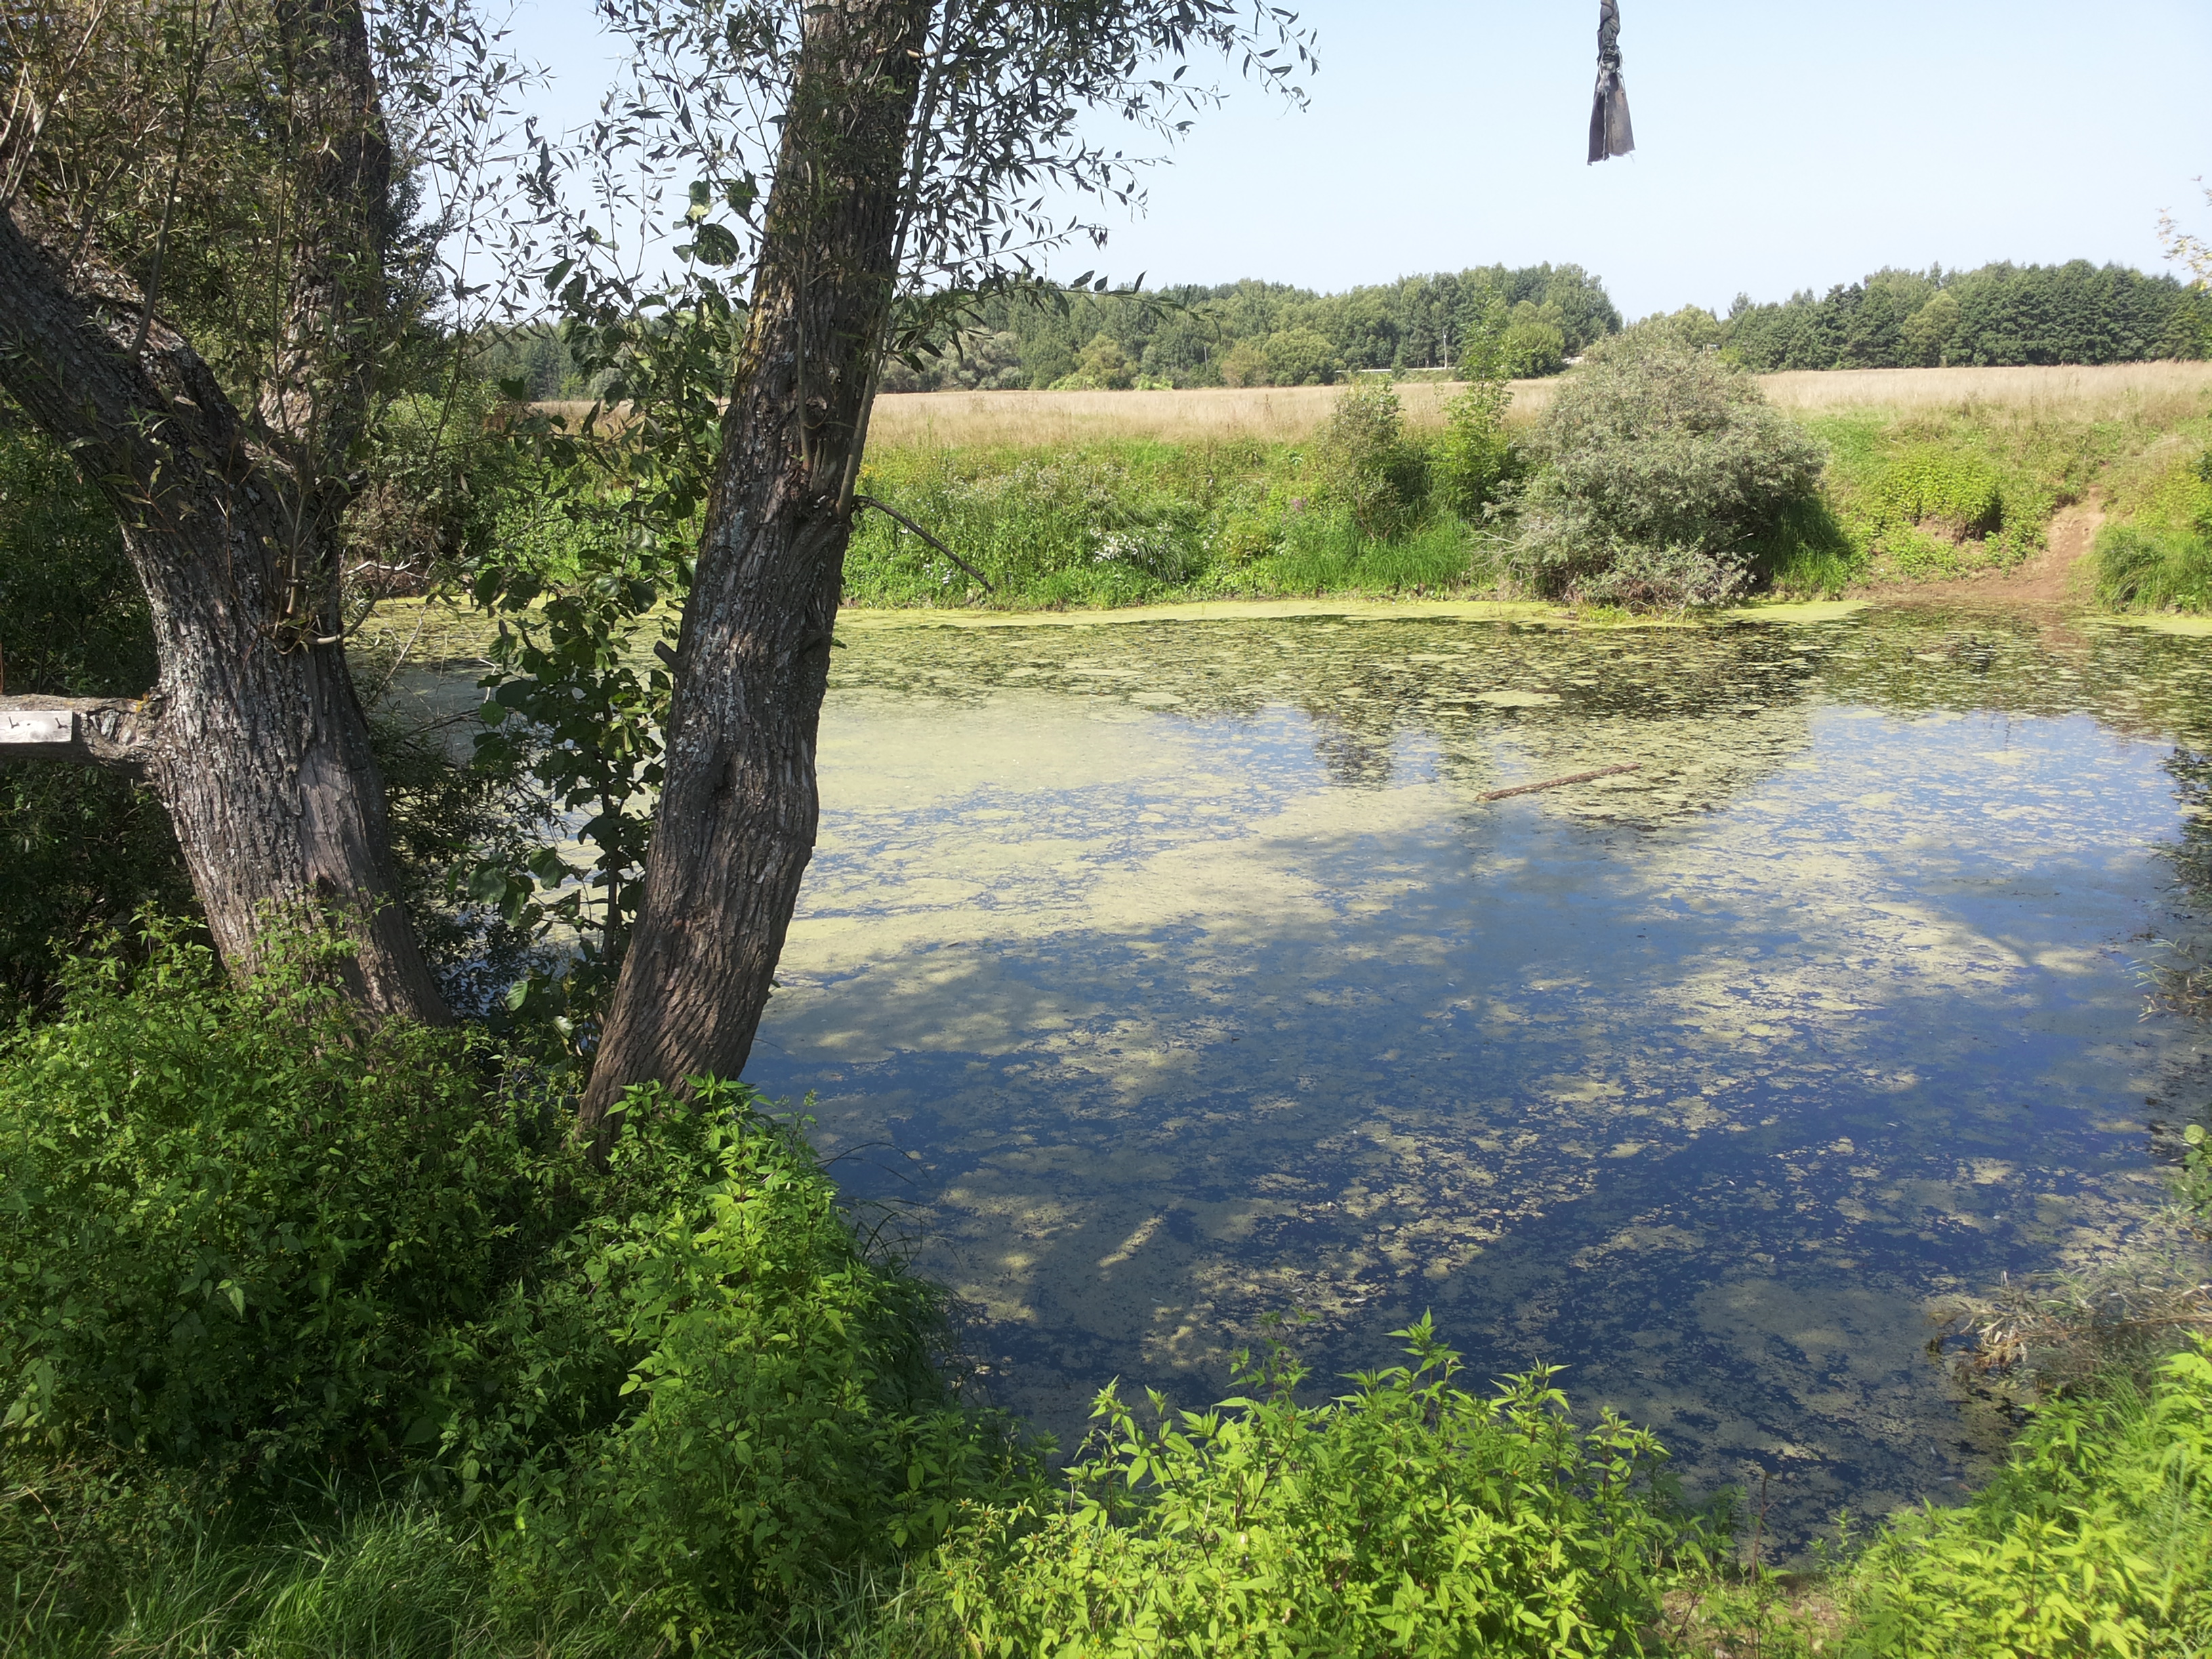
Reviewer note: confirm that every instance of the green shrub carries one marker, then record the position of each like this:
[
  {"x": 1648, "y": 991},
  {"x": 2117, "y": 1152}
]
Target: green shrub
[
  {"x": 2179, "y": 494},
  {"x": 1102, "y": 366},
  {"x": 436, "y": 475},
  {"x": 237, "y": 1228},
  {"x": 254, "y": 1247},
  {"x": 1533, "y": 343},
  {"x": 2159, "y": 558},
  {"x": 1668, "y": 480},
  {"x": 1367, "y": 466},
  {"x": 716, "y": 1403},
  {"x": 2097, "y": 1538},
  {"x": 1410, "y": 1518},
  {"x": 1944, "y": 491},
  {"x": 80, "y": 848},
  {"x": 1087, "y": 528},
  {"x": 1475, "y": 456},
  {"x": 1926, "y": 508},
  {"x": 1133, "y": 522},
  {"x": 1300, "y": 357}
]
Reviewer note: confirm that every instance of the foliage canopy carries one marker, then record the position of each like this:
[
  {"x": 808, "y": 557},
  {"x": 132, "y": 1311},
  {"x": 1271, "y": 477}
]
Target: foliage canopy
[{"x": 1666, "y": 477}]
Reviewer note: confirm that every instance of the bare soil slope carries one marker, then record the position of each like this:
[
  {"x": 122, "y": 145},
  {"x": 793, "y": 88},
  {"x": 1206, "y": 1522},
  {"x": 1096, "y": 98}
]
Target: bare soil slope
[{"x": 2059, "y": 576}]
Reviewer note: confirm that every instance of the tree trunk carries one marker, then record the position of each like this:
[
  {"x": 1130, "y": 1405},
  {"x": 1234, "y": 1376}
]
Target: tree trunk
[
  {"x": 253, "y": 738},
  {"x": 736, "y": 822}
]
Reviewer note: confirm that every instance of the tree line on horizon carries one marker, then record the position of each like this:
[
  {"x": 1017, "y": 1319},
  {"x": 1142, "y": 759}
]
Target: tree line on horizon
[
  {"x": 1998, "y": 315},
  {"x": 1536, "y": 319}
]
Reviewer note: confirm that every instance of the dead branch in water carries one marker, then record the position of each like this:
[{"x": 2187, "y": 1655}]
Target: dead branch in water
[{"x": 1557, "y": 783}]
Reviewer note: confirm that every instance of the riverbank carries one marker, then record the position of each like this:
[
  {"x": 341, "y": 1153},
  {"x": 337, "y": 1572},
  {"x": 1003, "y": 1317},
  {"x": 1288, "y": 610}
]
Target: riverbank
[{"x": 2081, "y": 489}]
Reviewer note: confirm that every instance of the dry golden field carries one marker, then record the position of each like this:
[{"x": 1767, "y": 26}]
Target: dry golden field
[
  {"x": 1058, "y": 419},
  {"x": 2092, "y": 393},
  {"x": 2161, "y": 391},
  {"x": 1054, "y": 419}
]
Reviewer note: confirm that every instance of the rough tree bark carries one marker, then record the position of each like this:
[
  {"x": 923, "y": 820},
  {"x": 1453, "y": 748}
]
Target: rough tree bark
[
  {"x": 736, "y": 822},
  {"x": 253, "y": 738}
]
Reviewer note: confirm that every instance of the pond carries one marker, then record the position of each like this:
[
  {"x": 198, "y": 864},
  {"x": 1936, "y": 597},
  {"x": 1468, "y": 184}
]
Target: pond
[{"x": 1161, "y": 975}]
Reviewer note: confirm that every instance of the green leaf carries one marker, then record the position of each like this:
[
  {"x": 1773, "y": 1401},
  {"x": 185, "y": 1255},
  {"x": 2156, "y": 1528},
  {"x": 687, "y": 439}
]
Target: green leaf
[{"x": 714, "y": 245}]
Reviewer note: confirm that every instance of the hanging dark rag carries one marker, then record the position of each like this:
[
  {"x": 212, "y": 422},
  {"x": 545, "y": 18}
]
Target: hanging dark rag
[{"x": 1610, "y": 133}]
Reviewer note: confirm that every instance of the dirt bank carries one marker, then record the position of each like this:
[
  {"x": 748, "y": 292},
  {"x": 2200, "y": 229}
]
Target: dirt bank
[{"x": 2059, "y": 576}]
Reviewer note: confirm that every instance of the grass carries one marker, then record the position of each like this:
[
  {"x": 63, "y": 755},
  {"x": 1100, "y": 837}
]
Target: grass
[
  {"x": 393, "y": 1582},
  {"x": 1046, "y": 420},
  {"x": 1134, "y": 521},
  {"x": 1081, "y": 500},
  {"x": 2159, "y": 393},
  {"x": 2157, "y": 556},
  {"x": 2096, "y": 1539},
  {"x": 1110, "y": 499}
]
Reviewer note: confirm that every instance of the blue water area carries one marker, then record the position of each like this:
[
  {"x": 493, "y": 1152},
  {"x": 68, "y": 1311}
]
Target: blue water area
[{"x": 1160, "y": 977}]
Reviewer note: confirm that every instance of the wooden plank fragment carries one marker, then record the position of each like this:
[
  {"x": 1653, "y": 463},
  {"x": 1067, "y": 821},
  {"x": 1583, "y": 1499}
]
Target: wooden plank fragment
[{"x": 38, "y": 725}]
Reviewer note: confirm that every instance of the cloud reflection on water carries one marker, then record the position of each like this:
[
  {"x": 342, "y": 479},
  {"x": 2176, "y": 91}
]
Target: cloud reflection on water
[{"x": 1190, "y": 965}]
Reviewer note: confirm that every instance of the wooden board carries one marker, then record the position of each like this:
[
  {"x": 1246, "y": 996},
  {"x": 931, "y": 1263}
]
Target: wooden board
[{"x": 38, "y": 725}]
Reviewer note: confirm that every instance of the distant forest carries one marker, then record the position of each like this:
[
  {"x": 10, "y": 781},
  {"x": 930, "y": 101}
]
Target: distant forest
[
  {"x": 2000, "y": 314},
  {"x": 1532, "y": 321}
]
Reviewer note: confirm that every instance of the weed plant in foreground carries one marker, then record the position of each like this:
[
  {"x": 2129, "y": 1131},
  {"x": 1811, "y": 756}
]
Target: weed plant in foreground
[
  {"x": 1408, "y": 1517},
  {"x": 264, "y": 1262}
]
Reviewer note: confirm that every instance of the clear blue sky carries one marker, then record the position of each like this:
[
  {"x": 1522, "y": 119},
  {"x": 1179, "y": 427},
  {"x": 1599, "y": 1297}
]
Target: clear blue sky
[{"x": 1780, "y": 146}]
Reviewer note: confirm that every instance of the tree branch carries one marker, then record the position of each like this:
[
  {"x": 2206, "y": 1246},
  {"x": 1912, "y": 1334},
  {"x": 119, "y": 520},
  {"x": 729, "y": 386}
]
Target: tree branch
[
  {"x": 150, "y": 428},
  {"x": 893, "y": 513}
]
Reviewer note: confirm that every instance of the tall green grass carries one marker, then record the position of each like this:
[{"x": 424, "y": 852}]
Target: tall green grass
[
  {"x": 2144, "y": 570},
  {"x": 2157, "y": 555},
  {"x": 391, "y": 1581},
  {"x": 1135, "y": 522}
]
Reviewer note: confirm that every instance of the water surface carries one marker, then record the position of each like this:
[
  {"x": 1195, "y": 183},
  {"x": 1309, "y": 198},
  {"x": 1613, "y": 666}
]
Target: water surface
[{"x": 1168, "y": 975}]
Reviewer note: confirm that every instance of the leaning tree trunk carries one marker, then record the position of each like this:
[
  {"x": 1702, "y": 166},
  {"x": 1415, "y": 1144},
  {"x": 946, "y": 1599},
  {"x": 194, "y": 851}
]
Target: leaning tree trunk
[
  {"x": 736, "y": 822},
  {"x": 253, "y": 738}
]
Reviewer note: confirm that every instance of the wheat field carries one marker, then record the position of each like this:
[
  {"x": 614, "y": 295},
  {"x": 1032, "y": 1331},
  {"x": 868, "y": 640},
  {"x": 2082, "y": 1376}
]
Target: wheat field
[
  {"x": 1056, "y": 420},
  {"x": 1282, "y": 413}
]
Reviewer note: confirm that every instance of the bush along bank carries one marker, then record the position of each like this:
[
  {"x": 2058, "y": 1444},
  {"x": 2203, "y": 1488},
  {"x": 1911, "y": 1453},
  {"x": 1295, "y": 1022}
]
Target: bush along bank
[
  {"x": 267, "y": 1270},
  {"x": 1657, "y": 478},
  {"x": 1363, "y": 506}
]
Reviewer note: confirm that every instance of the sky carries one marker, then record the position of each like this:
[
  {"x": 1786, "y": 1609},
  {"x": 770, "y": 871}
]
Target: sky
[{"x": 1780, "y": 147}]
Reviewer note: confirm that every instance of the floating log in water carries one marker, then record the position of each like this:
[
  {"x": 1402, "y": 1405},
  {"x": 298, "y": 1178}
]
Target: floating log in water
[{"x": 1555, "y": 783}]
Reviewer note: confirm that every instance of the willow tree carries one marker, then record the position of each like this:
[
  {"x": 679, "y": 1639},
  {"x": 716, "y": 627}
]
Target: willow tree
[
  {"x": 203, "y": 278},
  {"x": 911, "y": 151}
]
